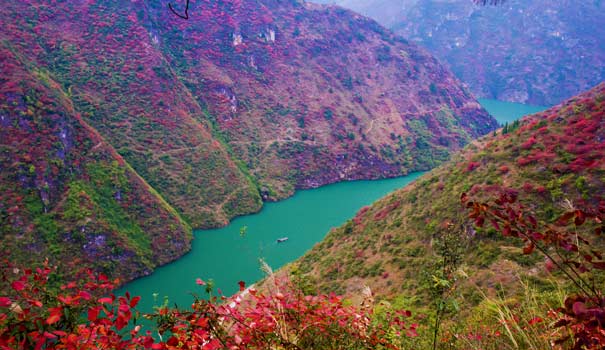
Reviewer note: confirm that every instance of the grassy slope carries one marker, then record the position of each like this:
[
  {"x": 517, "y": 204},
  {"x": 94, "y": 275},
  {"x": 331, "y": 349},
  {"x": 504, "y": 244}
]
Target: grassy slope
[{"x": 550, "y": 157}]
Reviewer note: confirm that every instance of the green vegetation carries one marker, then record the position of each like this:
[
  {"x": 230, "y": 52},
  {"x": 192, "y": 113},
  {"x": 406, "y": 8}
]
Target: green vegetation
[{"x": 403, "y": 230}]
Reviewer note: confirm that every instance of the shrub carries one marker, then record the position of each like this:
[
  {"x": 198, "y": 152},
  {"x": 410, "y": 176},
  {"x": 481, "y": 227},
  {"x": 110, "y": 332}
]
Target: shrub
[{"x": 77, "y": 316}]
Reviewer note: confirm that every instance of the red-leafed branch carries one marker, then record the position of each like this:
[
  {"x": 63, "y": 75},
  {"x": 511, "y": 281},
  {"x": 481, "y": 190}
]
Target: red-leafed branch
[{"x": 569, "y": 250}]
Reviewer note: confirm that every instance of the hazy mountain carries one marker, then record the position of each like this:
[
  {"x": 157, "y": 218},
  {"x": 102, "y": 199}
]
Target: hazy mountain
[{"x": 537, "y": 52}]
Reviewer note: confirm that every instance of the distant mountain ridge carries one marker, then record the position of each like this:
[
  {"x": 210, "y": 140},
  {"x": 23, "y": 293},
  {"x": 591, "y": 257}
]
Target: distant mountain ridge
[
  {"x": 537, "y": 52},
  {"x": 199, "y": 120}
]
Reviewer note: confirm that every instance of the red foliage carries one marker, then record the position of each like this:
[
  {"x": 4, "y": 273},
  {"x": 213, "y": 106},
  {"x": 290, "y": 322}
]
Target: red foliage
[
  {"x": 472, "y": 166},
  {"x": 529, "y": 143},
  {"x": 528, "y": 187},
  {"x": 386, "y": 210},
  {"x": 584, "y": 313},
  {"x": 32, "y": 316}
]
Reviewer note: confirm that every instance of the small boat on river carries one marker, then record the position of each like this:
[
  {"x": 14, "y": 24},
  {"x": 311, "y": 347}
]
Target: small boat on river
[{"x": 281, "y": 240}]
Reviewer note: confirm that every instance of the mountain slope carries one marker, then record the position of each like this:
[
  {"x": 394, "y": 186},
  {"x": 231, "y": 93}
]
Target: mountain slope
[
  {"x": 294, "y": 90},
  {"x": 124, "y": 88},
  {"x": 306, "y": 95},
  {"x": 242, "y": 102},
  {"x": 552, "y": 159},
  {"x": 65, "y": 193},
  {"x": 538, "y": 52}
]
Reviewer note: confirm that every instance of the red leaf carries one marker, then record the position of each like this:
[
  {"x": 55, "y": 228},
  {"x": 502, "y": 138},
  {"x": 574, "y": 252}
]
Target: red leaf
[
  {"x": 5, "y": 302},
  {"x": 537, "y": 236},
  {"x": 563, "y": 220},
  {"x": 121, "y": 322},
  {"x": 123, "y": 308},
  {"x": 535, "y": 320},
  {"x": 18, "y": 285},
  {"x": 134, "y": 301},
  {"x": 528, "y": 249},
  {"x": 173, "y": 341},
  {"x": 580, "y": 218},
  {"x": 579, "y": 308},
  {"x": 49, "y": 335},
  {"x": 201, "y": 322},
  {"x": 242, "y": 285},
  {"x": 479, "y": 221},
  {"x": 40, "y": 343},
  {"x": 105, "y": 300},
  {"x": 53, "y": 319},
  {"x": 84, "y": 295},
  {"x": 93, "y": 313}
]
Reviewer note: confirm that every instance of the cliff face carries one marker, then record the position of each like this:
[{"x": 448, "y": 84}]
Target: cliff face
[
  {"x": 200, "y": 118},
  {"x": 538, "y": 52}
]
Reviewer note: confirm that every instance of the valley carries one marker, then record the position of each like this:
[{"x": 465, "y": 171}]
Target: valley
[
  {"x": 538, "y": 52},
  {"x": 227, "y": 255},
  {"x": 289, "y": 175},
  {"x": 243, "y": 105}
]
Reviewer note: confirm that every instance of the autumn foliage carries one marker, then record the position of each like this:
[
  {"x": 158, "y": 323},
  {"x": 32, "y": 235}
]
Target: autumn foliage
[
  {"x": 77, "y": 316},
  {"x": 570, "y": 245}
]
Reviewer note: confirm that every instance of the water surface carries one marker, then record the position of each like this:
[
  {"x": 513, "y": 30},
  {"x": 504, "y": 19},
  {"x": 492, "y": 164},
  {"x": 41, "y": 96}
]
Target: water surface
[
  {"x": 508, "y": 112},
  {"x": 230, "y": 254}
]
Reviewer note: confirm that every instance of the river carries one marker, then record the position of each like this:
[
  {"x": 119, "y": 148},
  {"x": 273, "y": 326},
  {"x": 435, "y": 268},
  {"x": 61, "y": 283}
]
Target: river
[{"x": 230, "y": 254}]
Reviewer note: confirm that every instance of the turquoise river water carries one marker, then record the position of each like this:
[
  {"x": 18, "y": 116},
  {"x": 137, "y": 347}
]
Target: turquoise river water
[{"x": 227, "y": 256}]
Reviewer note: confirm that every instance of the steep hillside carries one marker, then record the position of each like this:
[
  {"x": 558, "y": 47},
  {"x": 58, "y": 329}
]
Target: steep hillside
[
  {"x": 537, "y": 52},
  {"x": 243, "y": 101},
  {"x": 302, "y": 95},
  {"x": 123, "y": 87},
  {"x": 389, "y": 13},
  {"x": 306, "y": 95},
  {"x": 552, "y": 159},
  {"x": 65, "y": 193}
]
